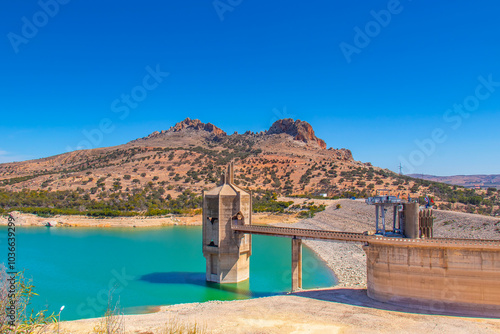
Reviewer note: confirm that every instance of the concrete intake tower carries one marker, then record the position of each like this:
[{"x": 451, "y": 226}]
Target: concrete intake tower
[{"x": 227, "y": 252}]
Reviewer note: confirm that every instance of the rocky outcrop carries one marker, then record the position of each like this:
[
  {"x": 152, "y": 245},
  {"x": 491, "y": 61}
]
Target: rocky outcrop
[
  {"x": 345, "y": 154},
  {"x": 342, "y": 154},
  {"x": 196, "y": 124},
  {"x": 187, "y": 124},
  {"x": 298, "y": 129}
]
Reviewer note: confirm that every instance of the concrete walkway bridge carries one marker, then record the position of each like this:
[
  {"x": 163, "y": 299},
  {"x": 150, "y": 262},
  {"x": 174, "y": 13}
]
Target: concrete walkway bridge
[{"x": 362, "y": 237}]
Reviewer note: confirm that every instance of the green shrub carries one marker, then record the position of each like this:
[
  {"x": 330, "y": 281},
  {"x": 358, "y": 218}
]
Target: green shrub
[{"x": 26, "y": 321}]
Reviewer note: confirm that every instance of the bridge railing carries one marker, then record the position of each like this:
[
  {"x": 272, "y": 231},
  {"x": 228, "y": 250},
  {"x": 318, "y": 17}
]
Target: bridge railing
[
  {"x": 362, "y": 237},
  {"x": 302, "y": 233}
]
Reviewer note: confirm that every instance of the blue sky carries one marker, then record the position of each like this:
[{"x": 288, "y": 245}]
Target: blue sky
[{"x": 385, "y": 79}]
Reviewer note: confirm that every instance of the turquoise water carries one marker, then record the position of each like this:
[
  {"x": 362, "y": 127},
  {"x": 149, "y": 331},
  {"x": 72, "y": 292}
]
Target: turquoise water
[{"x": 77, "y": 267}]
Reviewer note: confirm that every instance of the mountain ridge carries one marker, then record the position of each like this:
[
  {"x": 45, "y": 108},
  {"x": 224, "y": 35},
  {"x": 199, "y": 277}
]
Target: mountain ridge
[
  {"x": 300, "y": 131},
  {"x": 469, "y": 181},
  {"x": 183, "y": 152},
  {"x": 190, "y": 157}
]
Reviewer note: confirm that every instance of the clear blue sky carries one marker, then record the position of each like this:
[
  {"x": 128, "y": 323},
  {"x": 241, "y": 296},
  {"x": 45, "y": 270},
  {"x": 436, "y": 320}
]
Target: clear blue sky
[{"x": 242, "y": 64}]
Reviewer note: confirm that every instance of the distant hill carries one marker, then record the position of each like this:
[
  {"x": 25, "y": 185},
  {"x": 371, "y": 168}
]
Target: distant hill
[
  {"x": 169, "y": 169},
  {"x": 469, "y": 181},
  {"x": 286, "y": 158}
]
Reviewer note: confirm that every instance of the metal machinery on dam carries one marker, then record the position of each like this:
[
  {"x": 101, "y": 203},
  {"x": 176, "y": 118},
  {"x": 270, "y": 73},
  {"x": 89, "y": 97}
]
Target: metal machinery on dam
[
  {"x": 383, "y": 202},
  {"x": 406, "y": 265}
]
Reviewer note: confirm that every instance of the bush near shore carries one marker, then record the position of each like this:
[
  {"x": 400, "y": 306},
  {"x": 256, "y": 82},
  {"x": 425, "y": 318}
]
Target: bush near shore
[
  {"x": 153, "y": 201},
  {"x": 47, "y": 204}
]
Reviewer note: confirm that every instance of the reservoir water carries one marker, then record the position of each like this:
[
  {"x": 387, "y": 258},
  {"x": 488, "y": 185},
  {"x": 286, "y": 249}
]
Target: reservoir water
[{"x": 78, "y": 267}]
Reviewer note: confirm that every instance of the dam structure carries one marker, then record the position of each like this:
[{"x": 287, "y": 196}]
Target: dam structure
[
  {"x": 227, "y": 253},
  {"x": 406, "y": 266}
]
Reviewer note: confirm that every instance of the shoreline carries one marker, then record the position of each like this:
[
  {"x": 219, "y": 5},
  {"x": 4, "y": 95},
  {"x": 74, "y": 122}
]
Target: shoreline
[
  {"x": 28, "y": 219},
  {"x": 264, "y": 218}
]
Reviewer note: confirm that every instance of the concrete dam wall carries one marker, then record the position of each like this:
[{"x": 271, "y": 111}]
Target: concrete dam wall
[{"x": 435, "y": 278}]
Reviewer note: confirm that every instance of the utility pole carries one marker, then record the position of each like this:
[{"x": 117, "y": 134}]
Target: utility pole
[{"x": 400, "y": 169}]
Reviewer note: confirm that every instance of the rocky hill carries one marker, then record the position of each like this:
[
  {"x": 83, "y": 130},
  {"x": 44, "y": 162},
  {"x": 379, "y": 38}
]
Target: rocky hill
[
  {"x": 193, "y": 154},
  {"x": 299, "y": 130},
  {"x": 180, "y": 162}
]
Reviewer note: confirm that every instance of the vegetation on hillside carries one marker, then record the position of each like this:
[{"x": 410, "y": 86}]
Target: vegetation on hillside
[
  {"x": 310, "y": 210},
  {"x": 266, "y": 202},
  {"x": 159, "y": 180},
  {"x": 148, "y": 201}
]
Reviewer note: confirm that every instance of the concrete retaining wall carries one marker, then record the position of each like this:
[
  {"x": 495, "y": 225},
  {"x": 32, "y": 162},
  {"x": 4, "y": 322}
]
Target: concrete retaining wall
[{"x": 438, "y": 279}]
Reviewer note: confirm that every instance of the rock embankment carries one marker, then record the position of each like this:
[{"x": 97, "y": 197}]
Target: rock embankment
[{"x": 347, "y": 260}]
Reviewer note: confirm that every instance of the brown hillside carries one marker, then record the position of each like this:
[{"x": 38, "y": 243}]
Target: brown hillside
[{"x": 288, "y": 159}]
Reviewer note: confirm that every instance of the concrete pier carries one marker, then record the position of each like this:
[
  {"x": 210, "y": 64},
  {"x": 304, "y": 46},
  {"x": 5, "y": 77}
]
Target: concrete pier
[{"x": 296, "y": 264}]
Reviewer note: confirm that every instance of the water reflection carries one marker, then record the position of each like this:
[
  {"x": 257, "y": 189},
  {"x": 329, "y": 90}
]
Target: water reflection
[{"x": 198, "y": 278}]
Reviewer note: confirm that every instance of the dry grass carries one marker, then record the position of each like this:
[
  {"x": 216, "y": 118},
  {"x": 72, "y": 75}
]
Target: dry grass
[
  {"x": 175, "y": 326},
  {"x": 112, "y": 322},
  {"x": 20, "y": 319}
]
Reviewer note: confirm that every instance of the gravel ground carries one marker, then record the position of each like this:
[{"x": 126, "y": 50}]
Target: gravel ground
[
  {"x": 347, "y": 260},
  {"x": 316, "y": 312},
  {"x": 449, "y": 224}
]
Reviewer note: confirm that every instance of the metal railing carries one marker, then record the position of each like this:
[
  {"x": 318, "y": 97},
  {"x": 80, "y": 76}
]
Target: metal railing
[{"x": 365, "y": 238}]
